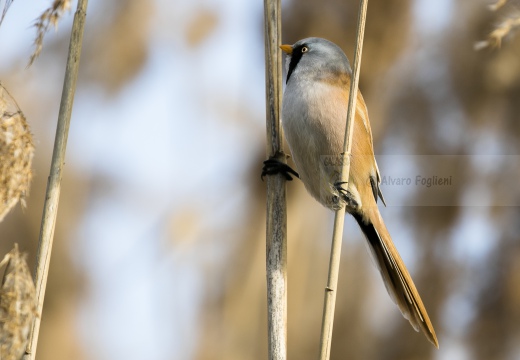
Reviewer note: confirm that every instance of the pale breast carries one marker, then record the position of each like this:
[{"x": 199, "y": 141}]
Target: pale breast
[{"x": 313, "y": 119}]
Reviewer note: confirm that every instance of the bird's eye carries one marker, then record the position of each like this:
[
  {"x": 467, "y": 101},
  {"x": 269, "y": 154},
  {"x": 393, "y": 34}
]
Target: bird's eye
[{"x": 305, "y": 49}]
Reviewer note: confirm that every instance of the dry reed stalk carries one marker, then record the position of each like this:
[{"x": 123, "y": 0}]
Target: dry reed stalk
[
  {"x": 52, "y": 195},
  {"x": 49, "y": 17},
  {"x": 276, "y": 222},
  {"x": 17, "y": 306},
  {"x": 329, "y": 302},
  {"x": 16, "y": 154}
]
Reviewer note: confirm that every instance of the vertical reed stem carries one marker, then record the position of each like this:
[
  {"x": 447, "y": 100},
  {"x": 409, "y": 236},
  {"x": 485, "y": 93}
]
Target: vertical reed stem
[
  {"x": 335, "y": 254},
  {"x": 276, "y": 226},
  {"x": 52, "y": 196}
]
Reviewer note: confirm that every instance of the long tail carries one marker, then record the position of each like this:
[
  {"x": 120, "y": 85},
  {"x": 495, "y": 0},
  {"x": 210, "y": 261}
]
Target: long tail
[{"x": 398, "y": 281}]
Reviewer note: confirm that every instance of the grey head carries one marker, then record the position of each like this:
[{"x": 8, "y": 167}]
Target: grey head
[{"x": 315, "y": 57}]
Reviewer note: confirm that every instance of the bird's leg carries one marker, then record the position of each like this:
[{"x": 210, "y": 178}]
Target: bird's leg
[{"x": 276, "y": 165}]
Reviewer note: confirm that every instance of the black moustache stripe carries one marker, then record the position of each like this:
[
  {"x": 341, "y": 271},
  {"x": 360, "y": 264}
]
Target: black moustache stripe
[{"x": 295, "y": 59}]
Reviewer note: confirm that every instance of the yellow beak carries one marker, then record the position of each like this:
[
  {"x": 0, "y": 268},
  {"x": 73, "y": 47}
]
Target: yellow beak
[{"x": 286, "y": 49}]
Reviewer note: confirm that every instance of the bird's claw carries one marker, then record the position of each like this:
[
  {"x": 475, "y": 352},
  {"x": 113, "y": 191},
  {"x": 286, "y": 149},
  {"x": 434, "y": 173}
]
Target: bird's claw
[
  {"x": 345, "y": 194},
  {"x": 338, "y": 186},
  {"x": 275, "y": 166}
]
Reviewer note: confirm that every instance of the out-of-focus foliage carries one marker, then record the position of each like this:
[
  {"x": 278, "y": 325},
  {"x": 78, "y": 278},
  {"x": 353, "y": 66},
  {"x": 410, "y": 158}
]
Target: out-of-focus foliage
[
  {"x": 115, "y": 31},
  {"x": 428, "y": 93},
  {"x": 201, "y": 26},
  {"x": 506, "y": 27},
  {"x": 117, "y": 47}
]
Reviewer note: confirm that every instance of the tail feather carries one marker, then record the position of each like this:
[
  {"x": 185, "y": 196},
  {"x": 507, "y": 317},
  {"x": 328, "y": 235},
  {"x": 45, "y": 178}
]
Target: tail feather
[{"x": 398, "y": 281}]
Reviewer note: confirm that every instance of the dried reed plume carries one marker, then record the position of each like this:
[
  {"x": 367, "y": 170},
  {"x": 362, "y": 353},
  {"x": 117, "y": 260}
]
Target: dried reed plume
[
  {"x": 6, "y": 7},
  {"x": 506, "y": 27},
  {"x": 16, "y": 154},
  {"x": 47, "y": 18},
  {"x": 17, "y": 306}
]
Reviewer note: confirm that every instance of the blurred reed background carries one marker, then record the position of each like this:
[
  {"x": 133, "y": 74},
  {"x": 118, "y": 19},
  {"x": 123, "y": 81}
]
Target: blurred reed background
[{"x": 160, "y": 241}]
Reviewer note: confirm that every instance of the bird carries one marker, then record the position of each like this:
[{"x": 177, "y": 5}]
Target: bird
[{"x": 314, "y": 111}]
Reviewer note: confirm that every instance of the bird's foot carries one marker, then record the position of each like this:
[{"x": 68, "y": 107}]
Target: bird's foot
[
  {"x": 344, "y": 194},
  {"x": 274, "y": 165}
]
